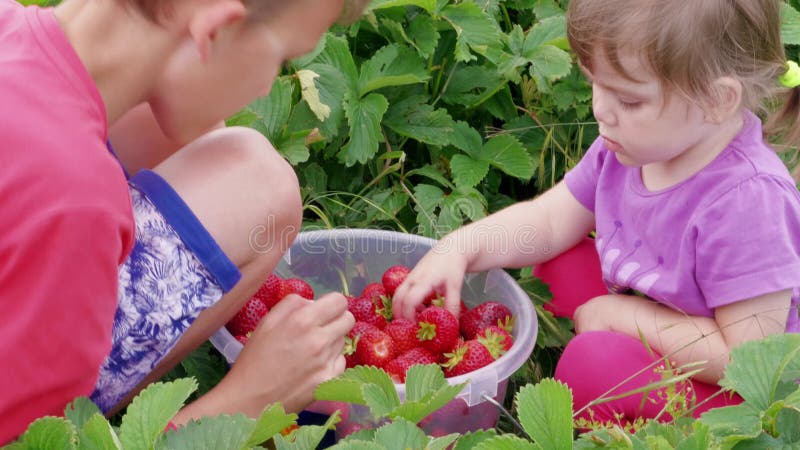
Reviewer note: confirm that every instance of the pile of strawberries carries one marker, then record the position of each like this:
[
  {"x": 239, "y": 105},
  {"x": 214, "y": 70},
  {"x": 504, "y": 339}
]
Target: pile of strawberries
[
  {"x": 435, "y": 336},
  {"x": 268, "y": 295},
  {"x": 478, "y": 337}
]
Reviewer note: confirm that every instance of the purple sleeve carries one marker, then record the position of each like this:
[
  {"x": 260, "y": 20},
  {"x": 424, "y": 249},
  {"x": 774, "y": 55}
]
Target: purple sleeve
[
  {"x": 748, "y": 241},
  {"x": 582, "y": 179}
]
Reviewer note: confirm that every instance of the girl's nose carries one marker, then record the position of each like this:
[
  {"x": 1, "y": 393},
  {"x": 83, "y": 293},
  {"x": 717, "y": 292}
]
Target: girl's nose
[{"x": 602, "y": 106}]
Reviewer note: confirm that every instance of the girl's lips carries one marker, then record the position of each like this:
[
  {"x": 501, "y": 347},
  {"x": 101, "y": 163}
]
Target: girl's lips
[{"x": 612, "y": 146}]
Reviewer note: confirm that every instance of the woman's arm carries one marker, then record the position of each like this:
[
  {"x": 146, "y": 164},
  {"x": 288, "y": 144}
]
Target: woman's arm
[{"x": 683, "y": 338}]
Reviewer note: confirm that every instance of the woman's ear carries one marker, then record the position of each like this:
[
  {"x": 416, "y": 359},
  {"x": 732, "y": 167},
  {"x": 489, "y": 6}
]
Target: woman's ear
[
  {"x": 726, "y": 100},
  {"x": 211, "y": 17}
]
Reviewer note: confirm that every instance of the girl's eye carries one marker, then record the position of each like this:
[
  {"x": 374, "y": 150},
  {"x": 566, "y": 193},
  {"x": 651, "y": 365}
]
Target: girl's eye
[{"x": 629, "y": 104}]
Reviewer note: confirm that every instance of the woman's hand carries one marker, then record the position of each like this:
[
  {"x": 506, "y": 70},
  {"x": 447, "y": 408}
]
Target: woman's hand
[{"x": 297, "y": 346}]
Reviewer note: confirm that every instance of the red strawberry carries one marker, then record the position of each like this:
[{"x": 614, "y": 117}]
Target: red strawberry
[
  {"x": 468, "y": 357},
  {"x": 247, "y": 318},
  {"x": 497, "y": 340},
  {"x": 364, "y": 310},
  {"x": 438, "y": 329},
  {"x": 483, "y": 316},
  {"x": 403, "y": 333},
  {"x": 351, "y": 341},
  {"x": 373, "y": 291},
  {"x": 393, "y": 277},
  {"x": 398, "y": 367},
  {"x": 374, "y": 348},
  {"x": 271, "y": 292},
  {"x": 299, "y": 287},
  {"x": 243, "y": 338}
]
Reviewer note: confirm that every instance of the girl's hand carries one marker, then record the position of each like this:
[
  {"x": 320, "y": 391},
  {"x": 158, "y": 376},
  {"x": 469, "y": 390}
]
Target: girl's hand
[
  {"x": 297, "y": 346},
  {"x": 441, "y": 270}
]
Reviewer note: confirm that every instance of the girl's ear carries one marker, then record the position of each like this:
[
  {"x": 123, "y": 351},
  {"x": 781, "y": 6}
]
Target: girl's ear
[
  {"x": 209, "y": 19},
  {"x": 726, "y": 101}
]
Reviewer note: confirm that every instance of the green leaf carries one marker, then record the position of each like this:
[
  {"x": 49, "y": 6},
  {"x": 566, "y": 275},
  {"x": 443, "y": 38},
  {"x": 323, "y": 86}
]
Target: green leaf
[
  {"x": 422, "y": 380},
  {"x": 150, "y": 412},
  {"x": 379, "y": 400},
  {"x": 700, "y": 439},
  {"x": 80, "y": 411},
  {"x": 243, "y": 118},
  {"x": 97, "y": 434},
  {"x": 347, "y": 387},
  {"x": 428, "y": 171},
  {"x": 401, "y": 435},
  {"x": 337, "y": 54},
  {"x": 427, "y": 5},
  {"x": 272, "y": 111},
  {"x": 733, "y": 423},
  {"x": 549, "y": 63},
  {"x": 471, "y": 440},
  {"x": 506, "y": 153},
  {"x": 543, "y": 33},
  {"x": 294, "y": 151},
  {"x": 365, "y": 116},
  {"x": 415, "y": 411},
  {"x": 271, "y": 422},
  {"x": 467, "y": 171},
  {"x": 764, "y": 371},
  {"x": 508, "y": 442},
  {"x": 472, "y": 85},
  {"x": 393, "y": 65},
  {"x": 210, "y": 433},
  {"x": 50, "y": 433},
  {"x": 467, "y": 139},
  {"x": 545, "y": 411},
  {"x": 357, "y": 445},
  {"x": 790, "y": 24},
  {"x": 471, "y": 202},
  {"x": 424, "y": 35},
  {"x": 441, "y": 443},
  {"x": 311, "y": 94},
  {"x": 412, "y": 118},
  {"x": 474, "y": 29},
  {"x": 332, "y": 87}
]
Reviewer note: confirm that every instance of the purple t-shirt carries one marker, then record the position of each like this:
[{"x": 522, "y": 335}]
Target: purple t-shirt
[{"x": 729, "y": 233}]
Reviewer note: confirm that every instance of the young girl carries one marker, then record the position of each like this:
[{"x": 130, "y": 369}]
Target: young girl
[{"x": 690, "y": 206}]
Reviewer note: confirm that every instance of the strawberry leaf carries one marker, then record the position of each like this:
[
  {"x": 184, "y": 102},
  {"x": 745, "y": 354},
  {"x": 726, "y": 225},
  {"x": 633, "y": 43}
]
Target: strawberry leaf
[
  {"x": 506, "y": 153},
  {"x": 364, "y": 116},
  {"x": 271, "y": 422},
  {"x": 272, "y": 111},
  {"x": 413, "y": 118},
  {"x": 471, "y": 440},
  {"x": 208, "y": 433},
  {"x": 545, "y": 411},
  {"x": 441, "y": 443},
  {"x": 80, "y": 411},
  {"x": 348, "y": 387},
  {"x": 422, "y": 380},
  {"x": 401, "y": 434},
  {"x": 97, "y": 434},
  {"x": 508, "y": 442},
  {"x": 393, "y": 65},
  {"x": 427, "y": 5},
  {"x": 475, "y": 29},
  {"x": 307, "y": 436},
  {"x": 50, "y": 433},
  {"x": 150, "y": 412},
  {"x": 468, "y": 172}
]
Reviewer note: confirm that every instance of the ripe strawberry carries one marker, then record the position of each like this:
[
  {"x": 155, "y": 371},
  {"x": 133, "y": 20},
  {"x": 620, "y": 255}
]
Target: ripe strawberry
[
  {"x": 468, "y": 357},
  {"x": 351, "y": 342},
  {"x": 271, "y": 292},
  {"x": 398, "y": 367},
  {"x": 497, "y": 340},
  {"x": 247, "y": 318},
  {"x": 364, "y": 310},
  {"x": 299, "y": 287},
  {"x": 438, "y": 329},
  {"x": 403, "y": 333},
  {"x": 393, "y": 277},
  {"x": 483, "y": 316},
  {"x": 373, "y": 291},
  {"x": 374, "y": 348}
]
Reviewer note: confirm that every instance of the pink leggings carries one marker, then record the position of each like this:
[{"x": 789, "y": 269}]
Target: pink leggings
[{"x": 595, "y": 363}]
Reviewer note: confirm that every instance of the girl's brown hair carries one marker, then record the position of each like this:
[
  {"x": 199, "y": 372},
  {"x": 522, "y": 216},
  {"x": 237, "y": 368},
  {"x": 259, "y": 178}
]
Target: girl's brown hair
[{"x": 689, "y": 44}]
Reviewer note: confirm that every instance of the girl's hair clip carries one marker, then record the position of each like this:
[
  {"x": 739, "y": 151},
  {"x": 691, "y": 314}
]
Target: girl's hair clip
[{"x": 791, "y": 79}]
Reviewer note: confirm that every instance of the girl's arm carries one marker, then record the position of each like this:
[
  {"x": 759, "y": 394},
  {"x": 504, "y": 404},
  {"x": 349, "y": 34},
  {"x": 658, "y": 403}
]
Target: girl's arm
[
  {"x": 523, "y": 234},
  {"x": 683, "y": 338}
]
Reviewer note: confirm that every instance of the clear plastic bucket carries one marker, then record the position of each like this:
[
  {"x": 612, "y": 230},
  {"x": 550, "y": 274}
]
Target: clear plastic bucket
[{"x": 346, "y": 260}]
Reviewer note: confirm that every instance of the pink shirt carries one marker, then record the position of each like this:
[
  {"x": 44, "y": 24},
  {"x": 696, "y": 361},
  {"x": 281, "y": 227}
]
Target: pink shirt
[
  {"x": 730, "y": 232},
  {"x": 65, "y": 221}
]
